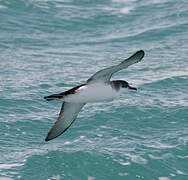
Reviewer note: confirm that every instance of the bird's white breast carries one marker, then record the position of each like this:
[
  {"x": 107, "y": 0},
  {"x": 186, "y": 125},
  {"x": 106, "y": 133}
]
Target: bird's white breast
[{"x": 93, "y": 93}]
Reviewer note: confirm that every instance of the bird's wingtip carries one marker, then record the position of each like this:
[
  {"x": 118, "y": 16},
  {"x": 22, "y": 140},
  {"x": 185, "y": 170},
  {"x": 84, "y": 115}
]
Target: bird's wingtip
[
  {"x": 47, "y": 138},
  {"x": 142, "y": 52}
]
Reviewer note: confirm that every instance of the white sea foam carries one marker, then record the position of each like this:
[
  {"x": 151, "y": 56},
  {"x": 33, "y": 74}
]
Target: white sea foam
[
  {"x": 123, "y": 174},
  {"x": 163, "y": 178},
  {"x": 6, "y": 178},
  {"x": 180, "y": 172},
  {"x": 124, "y": 1},
  {"x": 126, "y": 10},
  {"x": 138, "y": 159},
  {"x": 90, "y": 178},
  {"x": 9, "y": 166},
  {"x": 2, "y": 7}
]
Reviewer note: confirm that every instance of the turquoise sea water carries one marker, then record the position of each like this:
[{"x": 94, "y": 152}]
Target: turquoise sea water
[{"x": 49, "y": 46}]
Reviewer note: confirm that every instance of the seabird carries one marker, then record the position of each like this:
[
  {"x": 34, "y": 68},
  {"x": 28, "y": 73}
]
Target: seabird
[{"x": 96, "y": 89}]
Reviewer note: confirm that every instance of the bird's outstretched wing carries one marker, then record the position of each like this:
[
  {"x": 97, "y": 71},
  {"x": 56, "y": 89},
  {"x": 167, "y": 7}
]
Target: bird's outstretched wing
[
  {"x": 67, "y": 116},
  {"x": 104, "y": 75}
]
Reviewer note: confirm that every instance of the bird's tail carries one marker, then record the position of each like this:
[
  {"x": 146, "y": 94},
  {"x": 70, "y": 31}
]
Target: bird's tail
[
  {"x": 53, "y": 97},
  {"x": 133, "y": 88}
]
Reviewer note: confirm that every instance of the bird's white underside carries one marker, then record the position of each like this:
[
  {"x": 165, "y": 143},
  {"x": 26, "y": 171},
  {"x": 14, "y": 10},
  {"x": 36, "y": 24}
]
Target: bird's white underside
[{"x": 93, "y": 93}]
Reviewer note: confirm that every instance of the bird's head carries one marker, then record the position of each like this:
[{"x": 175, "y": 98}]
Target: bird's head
[{"x": 124, "y": 84}]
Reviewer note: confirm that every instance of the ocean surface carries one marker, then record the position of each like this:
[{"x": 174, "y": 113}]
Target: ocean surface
[{"x": 49, "y": 46}]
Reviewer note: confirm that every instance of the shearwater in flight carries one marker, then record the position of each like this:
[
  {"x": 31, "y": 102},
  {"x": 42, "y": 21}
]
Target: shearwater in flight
[{"x": 96, "y": 89}]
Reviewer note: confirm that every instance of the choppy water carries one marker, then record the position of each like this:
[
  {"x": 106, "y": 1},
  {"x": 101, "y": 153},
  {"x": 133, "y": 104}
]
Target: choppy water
[{"x": 48, "y": 46}]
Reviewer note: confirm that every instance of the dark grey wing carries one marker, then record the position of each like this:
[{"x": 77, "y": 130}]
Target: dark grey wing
[
  {"x": 104, "y": 75},
  {"x": 67, "y": 116}
]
